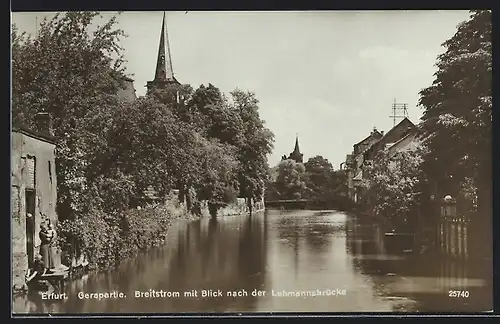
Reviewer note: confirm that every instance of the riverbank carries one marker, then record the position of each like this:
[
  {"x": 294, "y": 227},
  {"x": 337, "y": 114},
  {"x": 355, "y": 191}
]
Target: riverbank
[
  {"x": 81, "y": 271},
  {"x": 239, "y": 208},
  {"x": 92, "y": 245}
]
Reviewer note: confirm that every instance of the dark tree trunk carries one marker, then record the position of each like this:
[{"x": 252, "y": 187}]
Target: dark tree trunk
[
  {"x": 212, "y": 208},
  {"x": 250, "y": 205},
  {"x": 182, "y": 193}
]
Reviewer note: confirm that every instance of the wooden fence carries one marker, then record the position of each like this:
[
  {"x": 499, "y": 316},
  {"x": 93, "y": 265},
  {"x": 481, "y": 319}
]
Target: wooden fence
[{"x": 453, "y": 231}]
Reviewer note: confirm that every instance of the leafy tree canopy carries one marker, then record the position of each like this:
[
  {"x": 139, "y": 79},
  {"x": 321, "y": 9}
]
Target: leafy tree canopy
[{"x": 457, "y": 109}]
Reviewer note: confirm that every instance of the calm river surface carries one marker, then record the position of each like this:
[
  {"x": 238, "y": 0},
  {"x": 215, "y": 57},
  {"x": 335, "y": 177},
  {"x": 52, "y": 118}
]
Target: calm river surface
[{"x": 292, "y": 251}]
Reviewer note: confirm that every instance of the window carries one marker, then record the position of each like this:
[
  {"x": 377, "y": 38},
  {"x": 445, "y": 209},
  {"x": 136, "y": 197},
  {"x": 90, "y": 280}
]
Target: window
[
  {"x": 50, "y": 172},
  {"x": 31, "y": 174}
]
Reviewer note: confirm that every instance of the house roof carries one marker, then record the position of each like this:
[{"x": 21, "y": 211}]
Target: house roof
[
  {"x": 392, "y": 130},
  {"x": 367, "y": 137},
  {"x": 34, "y": 134},
  {"x": 401, "y": 139},
  {"x": 412, "y": 133}
]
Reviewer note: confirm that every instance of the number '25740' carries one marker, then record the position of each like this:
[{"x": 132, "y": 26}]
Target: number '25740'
[{"x": 458, "y": 293}]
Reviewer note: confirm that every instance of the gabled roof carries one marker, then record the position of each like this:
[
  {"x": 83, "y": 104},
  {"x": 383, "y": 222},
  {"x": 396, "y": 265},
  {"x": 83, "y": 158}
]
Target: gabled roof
[
  {"x": 400, "y": 140},
  {"x": 392, "y": 130},
  {"x": 368, "y": 137},
  {"x": 412, "y": 133},
  {"x": 34, "y": 134}
]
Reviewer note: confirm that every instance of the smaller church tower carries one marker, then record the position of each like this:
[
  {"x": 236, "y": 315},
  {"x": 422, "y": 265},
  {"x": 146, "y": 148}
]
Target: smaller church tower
[
  {"x": 295, "y": 155},
  {"x": 164, "y": 73}
]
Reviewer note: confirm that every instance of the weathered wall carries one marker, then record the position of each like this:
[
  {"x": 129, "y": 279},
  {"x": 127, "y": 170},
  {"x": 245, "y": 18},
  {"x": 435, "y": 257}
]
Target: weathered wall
[
  {"x": 128, "y": 92},
  {"x": 25, "y": 147},
  {"x": 407, "y": 143}
]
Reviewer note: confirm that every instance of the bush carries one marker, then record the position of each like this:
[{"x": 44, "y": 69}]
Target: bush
[{"x": 106, "y": 245}]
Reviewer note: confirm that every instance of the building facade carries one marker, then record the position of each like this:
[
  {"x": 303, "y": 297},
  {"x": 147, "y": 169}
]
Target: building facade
[
  {"x": 397, "y": 138},
  {"x": 34, "y": 193},
  {"x": 355, "y": 160},
  {"x": 127, "y": 92}
]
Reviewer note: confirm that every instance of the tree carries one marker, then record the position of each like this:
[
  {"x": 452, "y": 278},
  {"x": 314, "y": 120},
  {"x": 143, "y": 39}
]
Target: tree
[
  {"x": 179, "y": 97},
  {"x": 457, "y": 112},
  {"x": 256, "y": 144},
  {"x": 74, "y": 74},
  {"x": 149, "y": 142},
  {"x": 325, "y": 185},
  {"x": 391, "y": 185},
  {"x": 218, "y": 182},
  {"x": 290, "y": 183},
  {"x": 221, "y": 120},
  {"x": 109, "y": 151},
  {"x": 319, "y": 175}
]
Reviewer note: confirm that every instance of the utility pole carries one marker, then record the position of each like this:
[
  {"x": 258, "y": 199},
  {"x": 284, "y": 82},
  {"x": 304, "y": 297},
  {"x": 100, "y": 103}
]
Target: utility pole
[
  {"x": 399, "y": 110},
  {"x": 36, "y": 26}
]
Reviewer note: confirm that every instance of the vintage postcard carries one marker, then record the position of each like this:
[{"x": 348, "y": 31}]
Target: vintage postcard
[{"x": 240, "y": 162}]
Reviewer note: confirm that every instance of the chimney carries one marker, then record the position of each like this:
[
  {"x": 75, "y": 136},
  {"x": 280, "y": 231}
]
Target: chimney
[{"x": 43, "y": 123}]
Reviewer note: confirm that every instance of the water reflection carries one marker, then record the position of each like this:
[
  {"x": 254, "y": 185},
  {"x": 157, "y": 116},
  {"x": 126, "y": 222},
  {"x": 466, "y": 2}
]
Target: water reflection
[
  {"x": 203, "y": 255},
  {"x": 273, "y": 252},
  {"x": 423, "y": 282}
]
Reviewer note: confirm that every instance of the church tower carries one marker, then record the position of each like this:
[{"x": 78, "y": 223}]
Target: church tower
[
  {"x": 295, "y": 155},
  {"x": 164, "y": 73}
]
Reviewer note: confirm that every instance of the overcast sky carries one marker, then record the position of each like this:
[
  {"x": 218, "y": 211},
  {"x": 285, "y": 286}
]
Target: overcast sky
[{"x": 328, "y": 76}]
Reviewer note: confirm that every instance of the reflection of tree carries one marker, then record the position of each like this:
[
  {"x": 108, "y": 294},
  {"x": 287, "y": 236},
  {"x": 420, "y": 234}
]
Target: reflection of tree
[
  {"x": 318, "y": 235},
  {"x": 230, "y": 255},
  {"x": 227, "y": 254},
  {"x": 310, "y": 231},
  {"x": 316, "y": 230},
  {"x": 423, "y": 278}
]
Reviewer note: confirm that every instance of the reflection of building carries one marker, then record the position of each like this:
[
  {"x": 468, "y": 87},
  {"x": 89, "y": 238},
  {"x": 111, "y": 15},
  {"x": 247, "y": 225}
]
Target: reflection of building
[
  {"x": 34, "y": 191},
  {"x": 295, "y": 155},
  {"x": 400, "y": 137}
]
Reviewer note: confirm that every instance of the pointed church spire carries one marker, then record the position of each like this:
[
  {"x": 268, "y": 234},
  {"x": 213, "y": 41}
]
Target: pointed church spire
[
  {"x": 296, "y": 155},
  {"x": 164, "y": 69},
  {"x": 296, "y": 149},
  {"x": 164, "y": 73}
]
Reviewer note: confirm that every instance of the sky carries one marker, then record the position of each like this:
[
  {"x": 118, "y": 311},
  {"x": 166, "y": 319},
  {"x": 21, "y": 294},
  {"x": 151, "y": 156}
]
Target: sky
[{"x": 328, "y": 77}]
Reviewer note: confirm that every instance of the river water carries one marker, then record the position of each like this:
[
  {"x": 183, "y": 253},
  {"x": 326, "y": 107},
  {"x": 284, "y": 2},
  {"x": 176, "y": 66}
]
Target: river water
[{"x": 331, "y": 260}]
